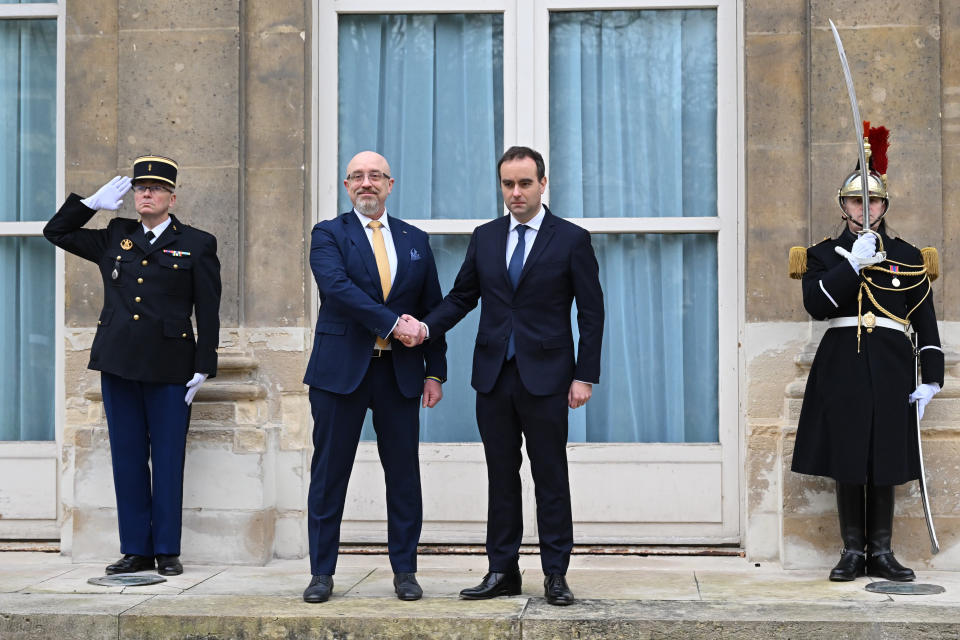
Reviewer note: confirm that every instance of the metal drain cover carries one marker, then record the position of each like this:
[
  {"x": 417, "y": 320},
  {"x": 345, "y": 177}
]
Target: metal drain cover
[
  {"x": 127, "y": 580},
  {"x": 905, "y": 588}
]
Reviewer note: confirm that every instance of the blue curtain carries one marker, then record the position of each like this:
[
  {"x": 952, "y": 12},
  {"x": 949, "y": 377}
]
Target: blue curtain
[
  {"x": 28, "y": 57},
  {"x": 426, "y": 91},
  {"x": 633, "y": 130}
]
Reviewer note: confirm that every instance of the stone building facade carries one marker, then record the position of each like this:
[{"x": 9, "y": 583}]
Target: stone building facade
[{"x": 229, "y": 89}]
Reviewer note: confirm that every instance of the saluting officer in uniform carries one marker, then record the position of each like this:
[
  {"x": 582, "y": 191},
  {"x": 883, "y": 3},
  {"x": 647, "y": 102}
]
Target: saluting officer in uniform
[
  {"x": 857, "y": 424},
  {"x": 156, "y": 272}
]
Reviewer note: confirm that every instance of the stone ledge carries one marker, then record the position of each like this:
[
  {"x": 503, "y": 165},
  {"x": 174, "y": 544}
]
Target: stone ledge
[{"x": 39, "y": 616}]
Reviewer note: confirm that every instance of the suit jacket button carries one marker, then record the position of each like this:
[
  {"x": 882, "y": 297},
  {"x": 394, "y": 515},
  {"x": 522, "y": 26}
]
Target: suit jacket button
[
  {"x": 144, "y": 263},
  {"x": 139, "y": 280},
  {"x": 175, "y": 266},
  {"x": 136, "y": 316},
  {"x": 183, "y": 335},
  {"x": 137, "y": 299}
]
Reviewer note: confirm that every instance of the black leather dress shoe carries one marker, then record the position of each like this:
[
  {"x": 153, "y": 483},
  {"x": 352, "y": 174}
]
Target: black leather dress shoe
[
  {"x": 169, "y": 565},
  {"x": 406, "y": 586},
  {"x": 319, "y": 589},
  {"x": 556, "y": 591},
  {"x": 494, "y": 584},
  {"x": 130, "y": 563},
  {"x": 886, "y": 566},
  {"x": 852, "y": 564}
]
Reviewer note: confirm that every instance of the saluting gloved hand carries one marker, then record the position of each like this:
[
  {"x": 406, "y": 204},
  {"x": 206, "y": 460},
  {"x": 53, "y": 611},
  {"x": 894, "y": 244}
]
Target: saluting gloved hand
[
  {"x": 923, "y": 395},
  {"x": 864, "y": 247},
  {"x": 193, "y": 386},
  {"x": 108, "y": 196}
]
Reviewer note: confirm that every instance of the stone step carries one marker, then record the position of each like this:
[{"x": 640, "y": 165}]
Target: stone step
[{"x": 163, "y": 617}]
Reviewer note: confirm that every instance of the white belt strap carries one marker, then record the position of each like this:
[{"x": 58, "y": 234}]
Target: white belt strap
[{"x": 851, "y": 321}]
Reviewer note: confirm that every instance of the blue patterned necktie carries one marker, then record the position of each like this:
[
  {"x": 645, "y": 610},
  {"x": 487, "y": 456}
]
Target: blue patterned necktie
[{"x": 513, "y": 270}]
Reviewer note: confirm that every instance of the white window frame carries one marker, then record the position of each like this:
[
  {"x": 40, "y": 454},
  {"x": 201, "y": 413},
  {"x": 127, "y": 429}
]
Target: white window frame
[
  {"x": 526, "y": 110},
  {"x": 54, "y": 11}
]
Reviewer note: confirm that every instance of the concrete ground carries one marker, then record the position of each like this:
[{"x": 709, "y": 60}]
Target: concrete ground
[{"x": 45, "y": 595}]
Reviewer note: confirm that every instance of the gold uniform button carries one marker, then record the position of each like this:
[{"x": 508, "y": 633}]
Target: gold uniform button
[
  {"x": 144, "y": 263},
  {"x": 118, "y": 257},
  {"x": 137, "y": 299},
  {"x": 175, "y": 265},
  {"x": 139, "y": 280},
  {"x": 98, "y": 322},
  {"x": 183, "y": 335},
  {"x": 136, "y": 316}
]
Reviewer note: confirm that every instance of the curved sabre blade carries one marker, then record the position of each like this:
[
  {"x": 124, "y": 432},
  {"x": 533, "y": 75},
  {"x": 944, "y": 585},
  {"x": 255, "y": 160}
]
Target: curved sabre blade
[{"x": 857, "y": 127}]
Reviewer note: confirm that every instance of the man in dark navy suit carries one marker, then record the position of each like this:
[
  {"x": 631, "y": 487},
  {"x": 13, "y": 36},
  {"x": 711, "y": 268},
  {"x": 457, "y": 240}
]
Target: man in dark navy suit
[
  {"x": 156, "y": 272},
  {"x": 527, "y": 268},
  {"x": 370, "y": 269}
]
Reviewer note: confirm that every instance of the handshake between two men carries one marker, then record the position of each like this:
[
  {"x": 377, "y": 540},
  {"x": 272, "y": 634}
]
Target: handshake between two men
[{"x": 410, "y": 331}]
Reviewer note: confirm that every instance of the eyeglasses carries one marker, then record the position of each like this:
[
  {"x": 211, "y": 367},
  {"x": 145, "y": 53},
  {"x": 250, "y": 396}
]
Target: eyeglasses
[
  {"x": 374, "y": 176},
  {"x": 154, "y": 188}
]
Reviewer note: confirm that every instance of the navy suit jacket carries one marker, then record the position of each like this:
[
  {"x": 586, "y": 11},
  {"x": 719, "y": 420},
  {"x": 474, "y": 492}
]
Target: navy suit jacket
[
  {"x": 353, "y": 312},
  {"x": 561, "y": 267},
  {"x": 144, "y": 331}
]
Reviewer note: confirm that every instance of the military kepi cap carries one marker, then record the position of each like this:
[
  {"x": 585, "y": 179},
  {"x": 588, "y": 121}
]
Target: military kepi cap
[{"x": 155, "y": 168}]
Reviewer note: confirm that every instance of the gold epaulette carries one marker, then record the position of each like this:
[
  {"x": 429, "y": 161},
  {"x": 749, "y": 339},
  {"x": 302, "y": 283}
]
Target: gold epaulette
[
  {"x": 797, "y": 263},
  {"x": 931, "y": 262}
]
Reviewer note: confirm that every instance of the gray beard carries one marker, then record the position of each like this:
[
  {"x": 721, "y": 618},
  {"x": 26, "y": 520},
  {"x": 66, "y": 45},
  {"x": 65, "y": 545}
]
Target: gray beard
[{"x": 367, "y": 207}]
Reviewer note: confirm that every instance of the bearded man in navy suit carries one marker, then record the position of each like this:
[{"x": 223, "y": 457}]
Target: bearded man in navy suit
[
  {"x": 370, "y": 269},
  {"x": 527, "y": 268}
]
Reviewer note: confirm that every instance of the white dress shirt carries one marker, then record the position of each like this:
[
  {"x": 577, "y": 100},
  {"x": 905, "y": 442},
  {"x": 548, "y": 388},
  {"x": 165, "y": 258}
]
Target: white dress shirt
[
  {"x": 531, "y": 235},
  {"x": 157, "y": 230},
  {"x": 388, "y": 243}
]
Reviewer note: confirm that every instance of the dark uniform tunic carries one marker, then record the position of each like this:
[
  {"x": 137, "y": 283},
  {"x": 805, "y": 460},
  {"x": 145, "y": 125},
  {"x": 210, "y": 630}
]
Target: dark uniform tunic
[
  {"x": 144, "y": 332},
  {"x": 856, "y": 424},
  {"x": 146, "y": 351}
]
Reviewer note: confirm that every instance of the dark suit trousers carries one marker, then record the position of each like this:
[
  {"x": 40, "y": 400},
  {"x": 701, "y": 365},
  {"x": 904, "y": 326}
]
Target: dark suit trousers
[
  {"x": 147, "y": 421},
  {"x": 505, "y": 414},
  {"x": 337, "y": 422}
]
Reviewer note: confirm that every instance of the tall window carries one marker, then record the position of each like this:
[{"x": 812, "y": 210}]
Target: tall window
[
  {"x": 624, "y": 105},
  {"x": 633, "y": 130},
  {"x": 28, "y": 182}
]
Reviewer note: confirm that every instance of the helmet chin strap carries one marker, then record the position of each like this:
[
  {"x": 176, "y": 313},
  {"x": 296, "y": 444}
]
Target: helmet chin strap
[{"x": 846, "y": 216}]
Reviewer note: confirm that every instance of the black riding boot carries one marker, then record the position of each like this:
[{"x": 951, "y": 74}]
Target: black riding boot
[
  {"x": 880, "y": 560},
  {"x": 850, "y": 511}
]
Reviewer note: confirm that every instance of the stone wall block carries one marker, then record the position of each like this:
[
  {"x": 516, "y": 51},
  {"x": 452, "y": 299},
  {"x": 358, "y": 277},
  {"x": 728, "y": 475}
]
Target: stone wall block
[
  {"x": 777, "y": 91},
  {"x": 84, "y": 288},
  {"x": 276, "y": 246},
  {"x": 92, "y": 18},
  {"x": 283, "y": 370},
  {"x": 895, "y": 70},
  {"x": 775, "y": 16},
  {"x": 236, "y": 485},
  {"x": 275, "y": 100},
  {"x": 276, "y": 16},
  {"x": 297, "y": 422},
  {"x": 190, "y": 112},
  {"x": 777, "y": 217},
  {"x": 176, "y": 14},
  {"x": 865, "y": 13},
  {"x": 90, "y": 107},
  {"x": 95, "y": 535},
  {"x": 212, "y": 536},
  {"x": 250, "y": 441},
  {"x": 810, "y": 541}
]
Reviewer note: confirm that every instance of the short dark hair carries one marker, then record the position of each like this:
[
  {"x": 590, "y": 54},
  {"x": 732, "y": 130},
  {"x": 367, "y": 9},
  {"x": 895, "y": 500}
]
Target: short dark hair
[{"x": 518, "y": 153}]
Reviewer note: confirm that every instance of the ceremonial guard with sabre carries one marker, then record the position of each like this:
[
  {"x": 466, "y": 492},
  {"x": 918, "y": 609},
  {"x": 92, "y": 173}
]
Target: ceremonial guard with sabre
[
  {"x": 156, "y": 273},
  {"x": 857, "y": 424}
]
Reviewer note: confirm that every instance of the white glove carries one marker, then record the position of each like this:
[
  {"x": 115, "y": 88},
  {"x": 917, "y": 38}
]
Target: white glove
[
  {"x": 923, "y": 395},
  {"x": 863, "y": 249},
  {"x": 108, "y": 196},
  {"x": 193, "y": 386}
]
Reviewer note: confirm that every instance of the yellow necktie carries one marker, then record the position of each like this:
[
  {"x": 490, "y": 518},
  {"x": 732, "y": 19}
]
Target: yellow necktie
[{"x": 383, "y": 266}]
